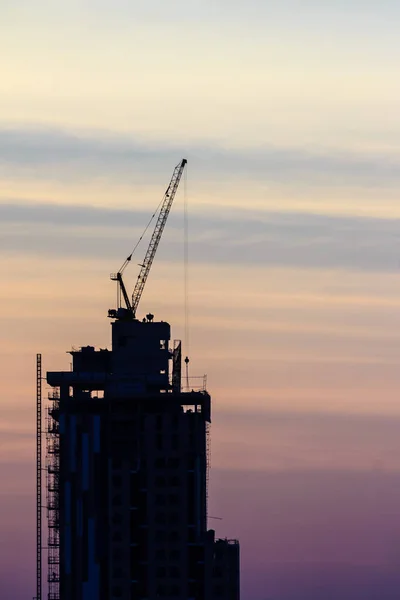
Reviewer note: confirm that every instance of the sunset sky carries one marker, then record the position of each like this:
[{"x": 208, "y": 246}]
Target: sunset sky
[{"x": 287, "y": 112}]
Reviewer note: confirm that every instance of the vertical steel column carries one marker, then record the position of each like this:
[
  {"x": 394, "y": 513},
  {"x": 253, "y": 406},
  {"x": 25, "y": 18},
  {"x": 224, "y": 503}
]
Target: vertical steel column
[{"x": 38, "y": 477}]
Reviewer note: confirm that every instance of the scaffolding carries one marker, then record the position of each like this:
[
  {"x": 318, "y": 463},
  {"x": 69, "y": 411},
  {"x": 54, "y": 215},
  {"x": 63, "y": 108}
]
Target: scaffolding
[
  {"x": 38, "y": 477},
  {"x": 208, "y": 462},
  {"x": 53, "y": 500}
]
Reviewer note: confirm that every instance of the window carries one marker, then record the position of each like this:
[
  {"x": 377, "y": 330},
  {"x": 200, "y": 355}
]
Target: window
[
  {"x": 161, "y": 590},
  {"x": 174, "y": 480},
  {"x": 174, "y": 555},
  {"x": 160, "y": 481},
  {"x": 116, "y": 480},
  {"x": 160, "y": 535},
  {"x": 117, "y": 554},
  {"x": 160, "y": 518},
  {"x": 173, "y": 462},
  {"x": 160, "y": 554},
  {"x": 160, "y": 500},
  {"x": 161, "y": 572},
  {"x": 174, "y": 518},
  {"x": 174, "y": 536},
  {"x": 117, "y": 572},
  {"x": 117, "y": 518},
  {"x": 173, "y": 499},
  {"x": 117, "y": 592},
  {"x": 174, "y": 572},
  {"x": 175, "y": 591},
  {"x": 159, "y": 463}
]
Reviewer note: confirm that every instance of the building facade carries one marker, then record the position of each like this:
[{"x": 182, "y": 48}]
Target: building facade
[{"x": 127, "y": 476}]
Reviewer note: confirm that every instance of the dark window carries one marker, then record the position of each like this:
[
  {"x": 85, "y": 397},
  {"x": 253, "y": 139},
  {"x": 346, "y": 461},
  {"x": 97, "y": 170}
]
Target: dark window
[
  {"x": 159, "y": 442},
  {"x": 159, "y": 463},
  {"x": 160, "y": 518},
  {"x": 117, "y": 554},
  {"x": 174, "y": 481},
  {"x": 117, "y": 536},
  {"x": 159, "y": 422},
  {"x": 218, "y": 590},
  {"x": 116, "y": 480},
  {"x": 117, "y": 592},
  {"x": 160, "y": 481},
  {"x": 117, "y": 572},
  {"x": 175, "y": 442},
  {"x": 160, "y": 500},
  {"x": 174, "y": 572},
  {"x": 161, "y": 572},
  {"x": 161, "y": 590},
  {"x": 175, "y": 555},
  {"x": 117, "y": 518},
  {"x": 173, "y": 499},
  {"x": 160, "y": 554},
  {"x": 117, "y": 500},
  {"x": 174, "y": 536},
  {"x": 175, "y": 590},
  {"x": 160, "y": 535},
  {"x": 174, "y": 518}
]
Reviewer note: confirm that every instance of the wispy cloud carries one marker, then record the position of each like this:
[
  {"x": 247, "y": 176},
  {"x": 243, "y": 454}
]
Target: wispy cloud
[
  {"x": 56, "y": 153},
  {"x": 263, "y": 238}
]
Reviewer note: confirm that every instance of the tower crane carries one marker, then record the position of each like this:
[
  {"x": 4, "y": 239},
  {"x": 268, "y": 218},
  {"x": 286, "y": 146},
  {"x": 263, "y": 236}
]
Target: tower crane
[{"x": 129, "y": 312}]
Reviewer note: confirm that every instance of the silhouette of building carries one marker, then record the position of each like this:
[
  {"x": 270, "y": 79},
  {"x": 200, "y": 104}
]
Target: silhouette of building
[{"x": 127, "y": 463}]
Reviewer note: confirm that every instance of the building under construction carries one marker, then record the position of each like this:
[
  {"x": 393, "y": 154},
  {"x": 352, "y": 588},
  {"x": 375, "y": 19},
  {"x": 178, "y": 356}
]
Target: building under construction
[{"x": 127, "y": 466}]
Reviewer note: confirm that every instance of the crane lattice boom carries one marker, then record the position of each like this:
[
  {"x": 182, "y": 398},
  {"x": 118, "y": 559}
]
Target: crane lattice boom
[{"x": 157, "y": 233}]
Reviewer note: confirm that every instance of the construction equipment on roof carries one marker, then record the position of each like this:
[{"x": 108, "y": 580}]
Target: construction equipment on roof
[{"x": 130, "y": 309}]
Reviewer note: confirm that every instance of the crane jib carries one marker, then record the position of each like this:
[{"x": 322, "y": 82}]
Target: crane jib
[{"x": 157, "y": 233}]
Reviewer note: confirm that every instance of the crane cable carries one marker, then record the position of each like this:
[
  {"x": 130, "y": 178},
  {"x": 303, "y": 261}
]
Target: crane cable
[
  {"x": 186, "y": 272},
  {"x": 141, "y": 237}
]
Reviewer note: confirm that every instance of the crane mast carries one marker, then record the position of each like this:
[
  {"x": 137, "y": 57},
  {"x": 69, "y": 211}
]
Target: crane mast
[{"x": 131, "y": 307}]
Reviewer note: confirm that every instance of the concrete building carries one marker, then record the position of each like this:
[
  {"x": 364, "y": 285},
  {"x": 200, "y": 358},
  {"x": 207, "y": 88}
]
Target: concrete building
[{"x": 127, "y": 462}]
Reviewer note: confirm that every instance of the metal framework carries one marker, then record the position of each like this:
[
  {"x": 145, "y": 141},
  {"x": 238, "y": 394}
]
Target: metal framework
[
  {"x": 53, "y": 500},
  {"x": 157, "y": 233},
  {"x": 208, "y": 466},
  {"x": 38, "y": 477}
]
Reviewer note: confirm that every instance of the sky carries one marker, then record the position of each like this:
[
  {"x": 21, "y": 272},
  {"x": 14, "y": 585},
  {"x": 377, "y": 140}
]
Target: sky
[{"x": 288, "y": 115}]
